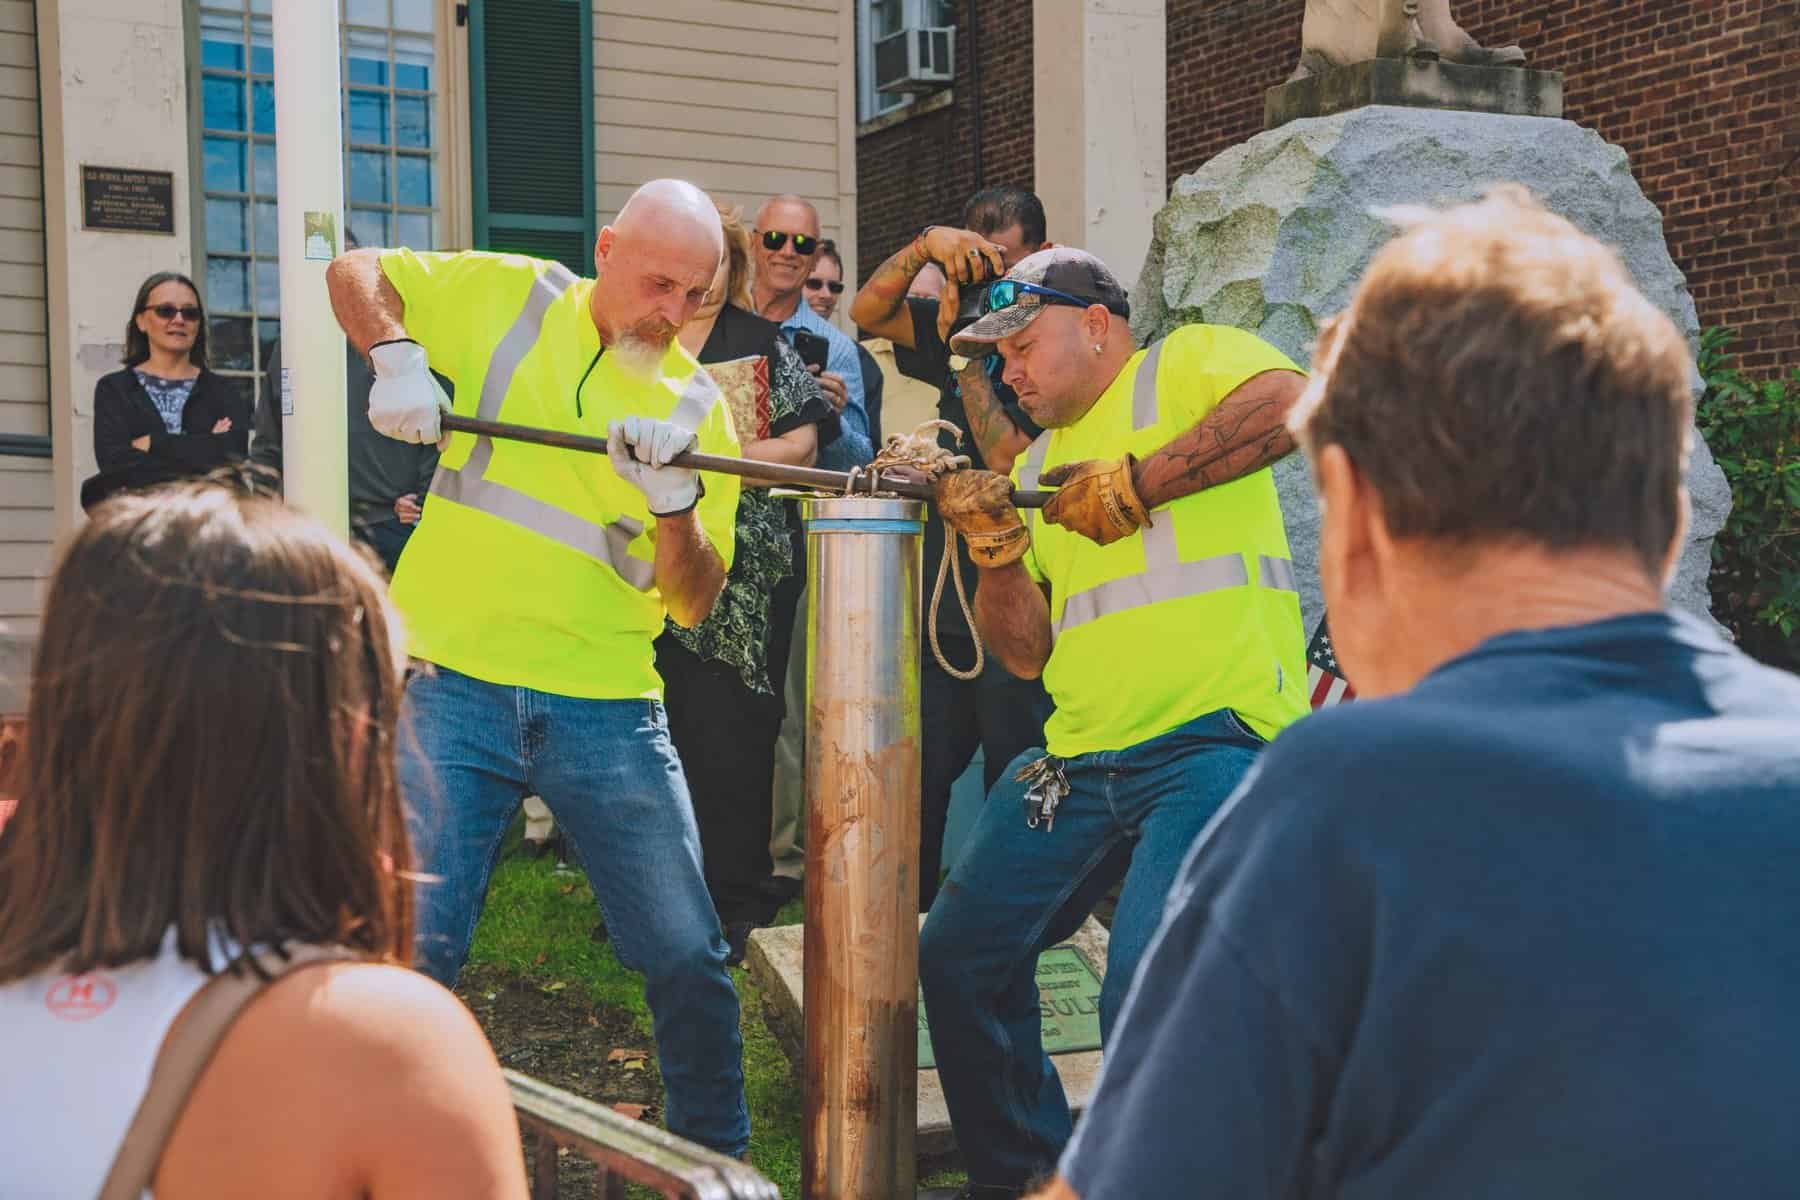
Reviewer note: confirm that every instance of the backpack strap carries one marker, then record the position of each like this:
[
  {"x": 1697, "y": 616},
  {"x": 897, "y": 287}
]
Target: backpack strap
[{"x": 184, "y": 1057}]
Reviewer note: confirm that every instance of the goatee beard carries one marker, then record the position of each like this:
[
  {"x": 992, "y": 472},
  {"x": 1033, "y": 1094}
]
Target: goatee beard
[{"x": 642, "y": 352}]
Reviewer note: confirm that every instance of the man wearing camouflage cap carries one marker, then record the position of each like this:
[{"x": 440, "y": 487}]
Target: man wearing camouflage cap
[{"x": 1155, "y": 596}]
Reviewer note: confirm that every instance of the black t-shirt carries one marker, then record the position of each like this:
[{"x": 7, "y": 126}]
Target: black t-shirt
[{"x": 928, "y": 362}]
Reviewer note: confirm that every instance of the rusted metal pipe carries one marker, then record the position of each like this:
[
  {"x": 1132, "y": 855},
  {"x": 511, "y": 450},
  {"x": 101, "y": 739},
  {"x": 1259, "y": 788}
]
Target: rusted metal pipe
[
  {"x": 862, "y": 848},
  {"x": 816, "y": 478},
  {"x": 624, "y": 1151}
]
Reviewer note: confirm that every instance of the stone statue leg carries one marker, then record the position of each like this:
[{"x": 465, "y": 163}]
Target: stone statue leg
[
  {"x": 1454, "y": 43},
  {"x": 1335, "y": 33}
]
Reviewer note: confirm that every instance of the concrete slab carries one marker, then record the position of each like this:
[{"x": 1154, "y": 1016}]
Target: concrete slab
[{"x": 775, "y": 960}]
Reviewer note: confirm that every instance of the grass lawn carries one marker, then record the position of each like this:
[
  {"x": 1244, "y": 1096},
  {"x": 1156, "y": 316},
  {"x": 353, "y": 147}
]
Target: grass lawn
[{"x": 535, "y": 936}]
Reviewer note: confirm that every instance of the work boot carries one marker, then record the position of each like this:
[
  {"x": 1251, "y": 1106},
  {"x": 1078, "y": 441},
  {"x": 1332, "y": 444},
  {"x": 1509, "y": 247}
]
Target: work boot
[
  {"x": 737, "y": 941},
  {"x": 970, "y": 1191}
]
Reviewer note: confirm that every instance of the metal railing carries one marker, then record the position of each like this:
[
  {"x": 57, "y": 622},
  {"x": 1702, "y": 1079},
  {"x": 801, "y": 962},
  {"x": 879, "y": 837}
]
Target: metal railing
[{"x": 624, "y": 1150}]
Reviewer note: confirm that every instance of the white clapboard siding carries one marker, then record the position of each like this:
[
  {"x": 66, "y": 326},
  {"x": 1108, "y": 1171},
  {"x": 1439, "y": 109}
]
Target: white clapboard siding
[
  {"x": 25, "y": 537},
  {"x": 741, "y": 97},
  {"x": 26, "y": 490}
]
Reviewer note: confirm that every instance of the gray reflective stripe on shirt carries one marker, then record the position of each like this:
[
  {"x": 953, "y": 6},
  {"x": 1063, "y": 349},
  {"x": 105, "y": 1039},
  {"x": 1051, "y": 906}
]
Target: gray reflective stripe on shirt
[
  {"x": 514, "y": 346},
  {"x": 1030, "y": 469},
  {"x": 1165, "y": 576},
  {"x": 697, "y": 401},
  {"x": 603, "y": 543},
  {"x": 1033, "y": 465},
  {"x": 468, "y": 485},
  {"x": 1143, "y": 389}
]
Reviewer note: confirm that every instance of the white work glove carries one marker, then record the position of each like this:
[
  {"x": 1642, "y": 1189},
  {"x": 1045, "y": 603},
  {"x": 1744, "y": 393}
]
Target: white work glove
[
  {"x": 406, "y": 400},
  {"x": 640, "y": 450}
]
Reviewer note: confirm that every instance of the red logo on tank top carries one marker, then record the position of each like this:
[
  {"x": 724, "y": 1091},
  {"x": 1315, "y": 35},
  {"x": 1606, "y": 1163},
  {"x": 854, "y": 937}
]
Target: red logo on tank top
[{"x": 80, "y": 997}]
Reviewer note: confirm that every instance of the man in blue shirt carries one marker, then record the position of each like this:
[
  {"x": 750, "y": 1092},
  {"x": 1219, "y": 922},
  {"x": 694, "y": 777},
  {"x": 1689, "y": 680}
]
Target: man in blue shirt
[
  {"x": 787, "y": 246},
  {"x": 1521, "y": 921}
]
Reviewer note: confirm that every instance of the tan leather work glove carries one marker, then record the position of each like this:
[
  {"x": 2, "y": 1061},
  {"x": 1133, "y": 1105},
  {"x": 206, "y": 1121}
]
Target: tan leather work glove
[
  {"x": 1096, "y": 499},
  {"x": 978, "y": 505}
]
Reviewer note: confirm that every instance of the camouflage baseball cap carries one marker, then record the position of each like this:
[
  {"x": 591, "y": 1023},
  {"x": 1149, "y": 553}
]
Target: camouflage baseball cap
[{"x": 1076, "y": 274}]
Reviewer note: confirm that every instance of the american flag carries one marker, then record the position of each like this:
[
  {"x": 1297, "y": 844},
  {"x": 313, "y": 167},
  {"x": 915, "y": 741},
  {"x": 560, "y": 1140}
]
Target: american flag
[{"x": 1323, "y": 682}]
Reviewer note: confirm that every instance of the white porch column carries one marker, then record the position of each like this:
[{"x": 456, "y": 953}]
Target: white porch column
[
  {"x": 1099, "y": 80},
  {"x": 113, "y": 86},
  {"x": 309, "y": 169}
]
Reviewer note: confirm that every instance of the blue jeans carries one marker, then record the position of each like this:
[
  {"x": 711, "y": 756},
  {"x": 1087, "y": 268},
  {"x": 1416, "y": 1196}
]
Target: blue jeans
[
  {"x": 387, "y": 539},
  {"x": 996, "y": 712},
  {"x": 470, "y": 751},
  {"x": 1016, "y": 891}
]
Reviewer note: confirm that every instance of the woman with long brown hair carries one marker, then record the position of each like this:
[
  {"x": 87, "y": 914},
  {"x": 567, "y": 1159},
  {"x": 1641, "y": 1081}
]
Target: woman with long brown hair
[{"x": 209, "y": 797}]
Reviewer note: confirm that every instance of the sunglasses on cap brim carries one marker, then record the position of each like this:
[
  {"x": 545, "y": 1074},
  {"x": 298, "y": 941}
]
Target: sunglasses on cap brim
[
  {"x": 804, "y": 243},
  {"x": 1005, "y": 293}
]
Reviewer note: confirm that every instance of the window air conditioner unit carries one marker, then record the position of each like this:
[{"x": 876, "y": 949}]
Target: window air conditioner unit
[{"x": 917, "y": 59}]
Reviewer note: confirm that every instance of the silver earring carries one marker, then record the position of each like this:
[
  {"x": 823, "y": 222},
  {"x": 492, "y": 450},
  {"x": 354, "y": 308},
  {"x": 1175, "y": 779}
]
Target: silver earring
[{"x": 1097, "y": 350}]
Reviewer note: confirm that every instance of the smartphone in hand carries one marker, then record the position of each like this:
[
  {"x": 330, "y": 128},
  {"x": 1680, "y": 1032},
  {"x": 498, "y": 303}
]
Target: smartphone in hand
[{"x": 813, "y": 350}]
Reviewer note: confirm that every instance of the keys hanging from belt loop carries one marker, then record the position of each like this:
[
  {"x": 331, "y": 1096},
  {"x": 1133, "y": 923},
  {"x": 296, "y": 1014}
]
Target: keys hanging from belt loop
[{"x": 1046, "y": 785}]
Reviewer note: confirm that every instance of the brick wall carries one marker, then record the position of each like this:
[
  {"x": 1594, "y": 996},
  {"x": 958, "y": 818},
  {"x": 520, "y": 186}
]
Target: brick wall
[
  {"x": 921, "y": 170},
  {"x": 1703, "y": 94}
]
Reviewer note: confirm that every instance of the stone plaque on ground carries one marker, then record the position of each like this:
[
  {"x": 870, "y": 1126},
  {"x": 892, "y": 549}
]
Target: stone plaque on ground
[
  {"x": 1068, "y": 1004},
  {"x": 1069, "y": 988}
]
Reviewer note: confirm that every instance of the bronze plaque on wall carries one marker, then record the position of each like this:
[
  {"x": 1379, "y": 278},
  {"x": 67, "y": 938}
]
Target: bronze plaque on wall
[{"x": 127, "y": 200}]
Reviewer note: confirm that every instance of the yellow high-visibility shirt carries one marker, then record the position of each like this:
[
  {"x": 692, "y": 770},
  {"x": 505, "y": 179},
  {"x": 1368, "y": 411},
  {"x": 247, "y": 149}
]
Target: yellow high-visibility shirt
[
  {"x": 1194, "y": 613},
  {"x": 532, "y": 567}
]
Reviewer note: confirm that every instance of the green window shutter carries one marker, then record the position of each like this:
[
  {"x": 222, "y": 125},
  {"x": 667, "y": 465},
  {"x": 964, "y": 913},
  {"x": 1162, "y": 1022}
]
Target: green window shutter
[{"x": 531, "y": 64}]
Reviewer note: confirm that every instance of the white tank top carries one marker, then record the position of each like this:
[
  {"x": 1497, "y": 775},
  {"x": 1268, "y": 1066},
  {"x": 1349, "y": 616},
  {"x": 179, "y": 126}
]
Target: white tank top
[{"x": 75, "y": 1058}]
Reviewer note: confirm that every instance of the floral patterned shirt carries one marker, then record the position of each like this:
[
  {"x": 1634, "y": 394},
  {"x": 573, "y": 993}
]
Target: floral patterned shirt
[
  {"x": 737, "y": 631},
  {"x": 169, "y": 395}
]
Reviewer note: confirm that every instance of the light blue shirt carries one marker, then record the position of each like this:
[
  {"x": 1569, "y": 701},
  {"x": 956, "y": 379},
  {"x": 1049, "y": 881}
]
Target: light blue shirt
[{"x": 853, "y": 447}]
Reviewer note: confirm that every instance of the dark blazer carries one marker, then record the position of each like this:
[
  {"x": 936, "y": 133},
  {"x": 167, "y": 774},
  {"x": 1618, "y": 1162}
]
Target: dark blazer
[{"x": 123, "y": 411}]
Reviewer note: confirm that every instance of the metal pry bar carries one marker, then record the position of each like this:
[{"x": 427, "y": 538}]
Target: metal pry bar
[{"x": 808, "y": 477}]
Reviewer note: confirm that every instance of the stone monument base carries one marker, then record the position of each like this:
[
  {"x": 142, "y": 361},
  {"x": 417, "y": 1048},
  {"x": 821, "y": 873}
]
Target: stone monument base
[
  {"x": 1416, "y": 83},
  {"x": 1274, "y": 234},
  {"x": 774, "y": 960}
]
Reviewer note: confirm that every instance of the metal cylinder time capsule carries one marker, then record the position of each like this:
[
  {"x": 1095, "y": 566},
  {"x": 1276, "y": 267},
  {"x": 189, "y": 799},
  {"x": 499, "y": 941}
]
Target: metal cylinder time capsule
[{"x": 862, "y": 847}]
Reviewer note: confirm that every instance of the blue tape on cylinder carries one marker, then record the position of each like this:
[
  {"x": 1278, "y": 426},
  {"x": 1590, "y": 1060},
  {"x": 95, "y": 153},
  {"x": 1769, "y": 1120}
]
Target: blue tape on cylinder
[{"x": 853, "y": 525}]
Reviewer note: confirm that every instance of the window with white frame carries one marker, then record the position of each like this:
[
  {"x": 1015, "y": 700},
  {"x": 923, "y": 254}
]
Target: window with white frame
[
  {"x": 390, "y": 158},
  {"x": 876, "y": 19}
]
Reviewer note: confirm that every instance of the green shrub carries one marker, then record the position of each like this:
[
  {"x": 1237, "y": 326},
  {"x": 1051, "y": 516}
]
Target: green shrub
[{"x": 1753, "y": 429}]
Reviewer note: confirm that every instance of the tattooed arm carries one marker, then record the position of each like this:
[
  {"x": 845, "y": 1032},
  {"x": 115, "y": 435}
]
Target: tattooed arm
[
  {"x": 879, "y": 308},
  {"x": 1245, "y": 433},
  {"x": 999, "y": 440}
]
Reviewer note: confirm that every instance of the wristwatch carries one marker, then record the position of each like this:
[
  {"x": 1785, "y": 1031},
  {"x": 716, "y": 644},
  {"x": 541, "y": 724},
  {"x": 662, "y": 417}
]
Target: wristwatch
[{"x": 959, "y": 363}]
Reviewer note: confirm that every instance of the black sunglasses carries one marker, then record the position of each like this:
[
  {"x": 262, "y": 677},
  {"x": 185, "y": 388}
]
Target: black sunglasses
[
  {"x": 774, "y": 239},
  {"x": 836, "y": 285},
  {"x": 189, "y": 312}
]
